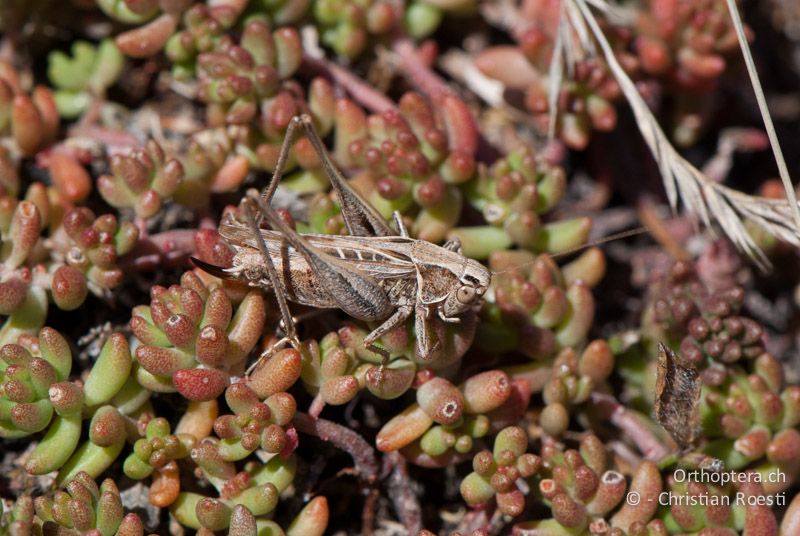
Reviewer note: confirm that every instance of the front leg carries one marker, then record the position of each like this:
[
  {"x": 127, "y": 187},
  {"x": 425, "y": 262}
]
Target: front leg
[
  {"x": 448, "y": 319},
  {"x": 427, "y": 344}
]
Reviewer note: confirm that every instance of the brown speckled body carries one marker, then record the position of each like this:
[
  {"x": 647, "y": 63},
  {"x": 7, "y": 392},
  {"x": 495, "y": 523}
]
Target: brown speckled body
[{"x": 404, "y": 267}]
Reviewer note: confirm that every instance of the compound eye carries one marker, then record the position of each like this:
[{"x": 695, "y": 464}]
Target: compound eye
[{"x": 465, "y": 294}]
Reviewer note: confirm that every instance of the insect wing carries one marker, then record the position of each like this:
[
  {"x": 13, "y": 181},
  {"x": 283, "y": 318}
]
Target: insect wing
[{"x": 379, "y": 257}]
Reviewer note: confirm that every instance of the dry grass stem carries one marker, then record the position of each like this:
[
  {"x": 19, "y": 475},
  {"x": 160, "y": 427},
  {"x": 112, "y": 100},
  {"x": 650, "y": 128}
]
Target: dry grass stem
[
  {"x": 762, "y": 107},
  {"x": 711, "y": 202}
]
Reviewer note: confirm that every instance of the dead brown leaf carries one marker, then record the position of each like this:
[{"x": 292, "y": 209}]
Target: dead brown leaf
[{"x": 677, "y": 402}]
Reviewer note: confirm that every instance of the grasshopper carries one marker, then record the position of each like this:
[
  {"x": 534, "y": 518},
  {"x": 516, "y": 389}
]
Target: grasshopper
[{"x": 375, "y": 274}]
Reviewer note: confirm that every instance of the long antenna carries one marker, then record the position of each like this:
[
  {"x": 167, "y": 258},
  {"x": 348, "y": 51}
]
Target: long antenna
[
  {"x": 599, "y": 241},
  {"x": 610, "y": 238}
]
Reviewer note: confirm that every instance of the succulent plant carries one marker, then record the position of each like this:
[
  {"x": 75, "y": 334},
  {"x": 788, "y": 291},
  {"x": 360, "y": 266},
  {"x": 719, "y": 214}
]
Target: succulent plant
[
  {"x": 17, "y": 518},
  {"x": 752, "y": 419},
  {"x": 156, "y": 449},
  {"x": 38, "y": 395},
  {"x": 93, "y": 245},
  {"x": 204, "y": 26},
  {"x": 446, "y": 420},
  {"x": 139, "y": 11},
  {"x": 210, "y": 165},
  {"x": 253, "y": 423},
  {"x": 141, "y": 181},
  {"x": 220, "y": 160},
  {"x": 513, "y": 194},
  {"x": 276, "y": 114},
  {"x": 80, "y": 255},
  {"x": 347, "y": 25},
  {"x": 192, "y": 338},
  {"x": 688, "y": 38},
  {"x": 567, "y": 382},
  {"x": 332, "y": 372},
  {"x": 30, "y": 118},
  {"x": 9, "y": 173},
  {"x": 257, "y": 488},
  {"x": 690, "y": 43},
  {"x": 704, "y": 324},
  {"x": 69, "y": 179},
  {"x": 312, "y": 520},
  {"x": 476, "y": 532},
  {"x": 234, "y": 79},
  {"x": 495, "y": 473},
  {"x": 578, "y": 486},
  {"x": 24, "y": 301},
  {"x": 84, "y": 76},
  {"x": 86, "y": 508},
  {"x": 585, "y": 100},
  {"x": 530, "y": 294}
]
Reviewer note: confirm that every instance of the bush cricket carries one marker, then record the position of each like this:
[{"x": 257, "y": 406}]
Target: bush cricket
[{"x": 374, "y": 274}]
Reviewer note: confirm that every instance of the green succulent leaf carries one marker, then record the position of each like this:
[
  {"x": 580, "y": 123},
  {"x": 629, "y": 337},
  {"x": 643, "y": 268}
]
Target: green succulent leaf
[{"x": 88, "y": 72}]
